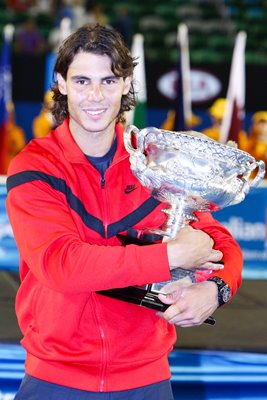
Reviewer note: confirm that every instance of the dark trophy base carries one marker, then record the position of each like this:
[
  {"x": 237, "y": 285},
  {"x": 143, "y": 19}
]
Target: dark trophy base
[
  {"x": 146, "y": 295},
  {"x": 137, "y": 295}
]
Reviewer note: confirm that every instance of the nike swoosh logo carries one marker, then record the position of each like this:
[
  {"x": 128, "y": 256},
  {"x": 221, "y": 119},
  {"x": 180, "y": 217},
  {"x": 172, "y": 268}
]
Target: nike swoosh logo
[{"x": 127, "y": 191}]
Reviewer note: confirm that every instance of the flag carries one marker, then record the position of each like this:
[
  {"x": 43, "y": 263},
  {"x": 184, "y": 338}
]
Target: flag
[
  {"x": 180, "y": 117},
  {"x": 183, "y": 94},
  {"x": 232, "y": 123},
  {"x": 5, "y": 94},
  {"x": 62, "y": 33},
  {"x": 138, "y": 116}
]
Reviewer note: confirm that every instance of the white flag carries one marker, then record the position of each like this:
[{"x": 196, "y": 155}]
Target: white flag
[
  {"x": 235, "y": 105},
  {"x": 138, "y": 116}
]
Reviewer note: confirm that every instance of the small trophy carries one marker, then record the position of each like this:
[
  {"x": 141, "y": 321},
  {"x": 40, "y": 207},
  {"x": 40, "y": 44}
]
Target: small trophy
[{"x": 190, "y": 172}]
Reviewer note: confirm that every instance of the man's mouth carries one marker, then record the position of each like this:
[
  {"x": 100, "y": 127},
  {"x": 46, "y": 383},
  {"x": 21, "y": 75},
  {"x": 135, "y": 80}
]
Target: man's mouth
[{"x": 94, "y": 112}]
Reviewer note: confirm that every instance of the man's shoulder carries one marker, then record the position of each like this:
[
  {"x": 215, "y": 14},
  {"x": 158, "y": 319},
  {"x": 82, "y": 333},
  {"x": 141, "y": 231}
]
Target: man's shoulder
[{"x": 36, "y": 154}]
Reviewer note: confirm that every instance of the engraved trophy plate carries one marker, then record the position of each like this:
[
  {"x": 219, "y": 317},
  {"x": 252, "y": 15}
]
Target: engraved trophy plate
[{"x": 190, "y": 172}]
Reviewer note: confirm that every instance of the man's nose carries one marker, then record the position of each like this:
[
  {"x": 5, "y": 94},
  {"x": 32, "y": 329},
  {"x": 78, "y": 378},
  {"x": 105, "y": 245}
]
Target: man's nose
[{"x": 95, "y": 92}]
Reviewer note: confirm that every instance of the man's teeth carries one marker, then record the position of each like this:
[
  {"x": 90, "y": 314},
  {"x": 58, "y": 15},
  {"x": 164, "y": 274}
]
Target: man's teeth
[{"x": 97, "y": 112}]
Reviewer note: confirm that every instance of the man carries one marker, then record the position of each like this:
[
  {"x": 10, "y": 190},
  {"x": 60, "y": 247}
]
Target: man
[{"x": 67, "y": 202}]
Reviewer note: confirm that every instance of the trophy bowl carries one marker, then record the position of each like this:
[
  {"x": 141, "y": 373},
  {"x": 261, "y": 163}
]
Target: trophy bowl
[{"x": 190, "y": 172}]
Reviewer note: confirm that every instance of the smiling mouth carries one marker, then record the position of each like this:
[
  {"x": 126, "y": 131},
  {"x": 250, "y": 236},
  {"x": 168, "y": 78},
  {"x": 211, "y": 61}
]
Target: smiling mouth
[{"x": 94, "y": 112}]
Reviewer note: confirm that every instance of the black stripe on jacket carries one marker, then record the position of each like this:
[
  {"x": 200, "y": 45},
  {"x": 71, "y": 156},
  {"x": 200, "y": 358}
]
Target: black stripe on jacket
[{"x": 75, "y": 203}]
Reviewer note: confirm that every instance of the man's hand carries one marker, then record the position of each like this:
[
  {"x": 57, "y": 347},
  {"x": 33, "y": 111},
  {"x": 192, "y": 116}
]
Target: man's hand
[
  {"x": 193, "y": 248},
  {"x": 190, "y": 303}
]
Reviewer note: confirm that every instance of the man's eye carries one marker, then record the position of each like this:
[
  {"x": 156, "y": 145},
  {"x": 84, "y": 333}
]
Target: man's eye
[
  {"x": 109, "y": 81},
  {"x": 82, "y": 81}
]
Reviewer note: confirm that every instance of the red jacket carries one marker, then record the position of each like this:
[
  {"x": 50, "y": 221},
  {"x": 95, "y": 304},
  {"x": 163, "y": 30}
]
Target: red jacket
[{"x": 65, "y": 222}]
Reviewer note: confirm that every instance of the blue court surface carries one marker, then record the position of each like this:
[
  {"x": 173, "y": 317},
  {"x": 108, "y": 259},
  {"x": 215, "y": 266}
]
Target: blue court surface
[
  {"x": 196, "y": 375},
  {"x": 219, "y": 375}
]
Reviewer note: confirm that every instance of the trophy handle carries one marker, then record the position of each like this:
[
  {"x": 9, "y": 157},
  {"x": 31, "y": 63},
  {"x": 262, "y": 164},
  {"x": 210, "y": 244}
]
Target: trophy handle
[
  {"x": 129, "y": 130},
  {"x": 260, "y": 174}
]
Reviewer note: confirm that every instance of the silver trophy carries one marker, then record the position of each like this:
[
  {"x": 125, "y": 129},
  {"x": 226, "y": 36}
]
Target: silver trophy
[{"x": 189, "y": 172}]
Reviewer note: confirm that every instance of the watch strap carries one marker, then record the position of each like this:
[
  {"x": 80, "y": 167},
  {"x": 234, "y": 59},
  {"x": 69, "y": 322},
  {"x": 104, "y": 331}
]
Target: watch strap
[{"x": 224, "y": 291}]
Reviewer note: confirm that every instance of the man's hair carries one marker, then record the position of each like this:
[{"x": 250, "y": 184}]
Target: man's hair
[{"x": 100, "y": 40}]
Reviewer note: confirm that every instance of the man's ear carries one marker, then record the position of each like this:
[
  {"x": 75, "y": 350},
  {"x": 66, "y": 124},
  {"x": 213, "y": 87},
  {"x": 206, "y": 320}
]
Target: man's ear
[
  {"x": 61, "y": 84},
  {"x": 127, "y": 84}
]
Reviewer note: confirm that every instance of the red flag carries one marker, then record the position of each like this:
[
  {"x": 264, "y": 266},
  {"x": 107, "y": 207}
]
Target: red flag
[{"x": 232, "y": 123}]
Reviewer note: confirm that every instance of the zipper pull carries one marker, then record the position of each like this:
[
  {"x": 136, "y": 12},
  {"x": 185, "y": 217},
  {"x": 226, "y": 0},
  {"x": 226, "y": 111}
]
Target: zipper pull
[{"x": 103, "y": 181}]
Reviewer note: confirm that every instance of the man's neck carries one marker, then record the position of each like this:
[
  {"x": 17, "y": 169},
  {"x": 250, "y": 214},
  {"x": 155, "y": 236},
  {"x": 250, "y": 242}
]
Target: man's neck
[{"x": 95, "y": 144}]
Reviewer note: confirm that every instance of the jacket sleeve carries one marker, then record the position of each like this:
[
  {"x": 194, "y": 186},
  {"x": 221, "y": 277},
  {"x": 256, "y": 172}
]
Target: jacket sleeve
[
  {"x": 223, "y": 241},
  {"x": 53, "y": 250}
]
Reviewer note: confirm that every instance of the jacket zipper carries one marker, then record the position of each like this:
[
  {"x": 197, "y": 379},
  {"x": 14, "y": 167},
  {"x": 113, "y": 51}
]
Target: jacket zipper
[
  {"x": 103, "y": 346},
  {"x": 104, "y": 356},
  {"x": 104, "y": 197}
]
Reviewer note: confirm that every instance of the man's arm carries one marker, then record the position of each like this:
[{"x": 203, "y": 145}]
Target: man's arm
[{"x": 191, "y": 304}]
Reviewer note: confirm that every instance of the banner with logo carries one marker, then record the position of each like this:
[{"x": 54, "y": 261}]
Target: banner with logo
[{"x": 246, "y": 221}]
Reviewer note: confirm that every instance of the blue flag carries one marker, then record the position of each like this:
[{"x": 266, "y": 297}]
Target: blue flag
[
  {"x": 5, "y": 80},
  {"x": 5, "y": 97}
]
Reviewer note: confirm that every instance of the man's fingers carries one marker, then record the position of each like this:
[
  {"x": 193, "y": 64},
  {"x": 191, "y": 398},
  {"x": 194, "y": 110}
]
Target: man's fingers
[
  {"x": 168, "y": 298},
  {"x": 213, "y": 266},
  {"x": 173, "y": 311},
  {"x": 215, "y": 255}
]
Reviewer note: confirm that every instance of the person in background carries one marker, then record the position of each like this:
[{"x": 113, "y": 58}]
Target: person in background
[
  {"x": 18, "y": 6},
  {"x": 169, "y": 123},
  {"x": 95, "y": 13},
  {"x": 63, "y": 10},
  {"x": 76, "y": 194},
  {"x": 123, "y": 22},
  {"x": 44, "y": 122},
  {"x": 29, "y": 39},
  {"x": 216, "y": 113},
  {"x": 15, "y": 137},
  {"x": 256, "y": 143}
]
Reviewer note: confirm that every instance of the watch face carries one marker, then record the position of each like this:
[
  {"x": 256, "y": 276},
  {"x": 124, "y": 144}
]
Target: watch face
[{"x": 226, "y": 293}]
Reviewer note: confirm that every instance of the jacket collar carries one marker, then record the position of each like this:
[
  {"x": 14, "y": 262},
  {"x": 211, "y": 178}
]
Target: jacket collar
[{"x": 71, "y": 150}]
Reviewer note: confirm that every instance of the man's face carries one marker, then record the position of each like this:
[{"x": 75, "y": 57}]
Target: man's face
[{"x": 94, "y": 93}]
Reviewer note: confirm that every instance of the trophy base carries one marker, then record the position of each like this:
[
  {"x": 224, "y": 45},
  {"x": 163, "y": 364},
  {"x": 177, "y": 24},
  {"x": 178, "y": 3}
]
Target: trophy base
[
  {"x": 137, "y": 295},
  {"x": 142, "y": 296}
]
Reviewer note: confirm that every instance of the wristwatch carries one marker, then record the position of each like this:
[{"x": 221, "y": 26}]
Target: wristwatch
[{"x": 224, "y": 291}]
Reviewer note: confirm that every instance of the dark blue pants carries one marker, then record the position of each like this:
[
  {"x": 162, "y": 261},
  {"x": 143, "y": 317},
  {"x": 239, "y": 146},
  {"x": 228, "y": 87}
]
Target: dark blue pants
[{"x": 36, "y": 389}]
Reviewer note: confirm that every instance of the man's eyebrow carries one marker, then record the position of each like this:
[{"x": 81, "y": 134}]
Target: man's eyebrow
[
  {"x": 80, "y": 77},
  {"x": 102, "y": 79},
  {"x": 111, "y": 77}
]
